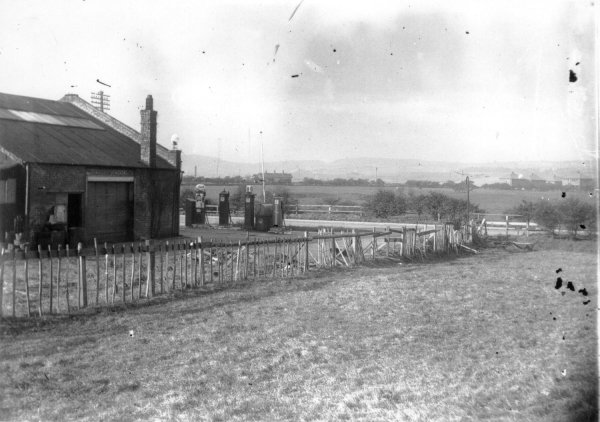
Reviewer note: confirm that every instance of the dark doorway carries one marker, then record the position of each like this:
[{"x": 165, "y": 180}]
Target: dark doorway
[{"x": 75, "y": 210}]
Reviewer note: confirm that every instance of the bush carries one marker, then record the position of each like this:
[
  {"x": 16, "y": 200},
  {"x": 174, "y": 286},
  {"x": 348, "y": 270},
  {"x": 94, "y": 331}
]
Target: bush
[
  {"x": 575, "y": 215},
  {"x": 384, "y": 204}
]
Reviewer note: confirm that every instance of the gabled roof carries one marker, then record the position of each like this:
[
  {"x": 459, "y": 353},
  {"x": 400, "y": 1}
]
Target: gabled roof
[
  {"x": 535, "y": 177},
  {"x": 35, "y": 130}
]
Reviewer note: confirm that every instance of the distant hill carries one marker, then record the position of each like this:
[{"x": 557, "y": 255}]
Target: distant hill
[{"x": 387, "y": 169}]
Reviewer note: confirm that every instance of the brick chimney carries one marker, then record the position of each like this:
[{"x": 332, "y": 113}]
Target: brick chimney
[{"x": 148, "y": 144}]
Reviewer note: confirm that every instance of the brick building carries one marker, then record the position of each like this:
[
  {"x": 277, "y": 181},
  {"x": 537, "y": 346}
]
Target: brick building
[{"x": 70, "y": 173}]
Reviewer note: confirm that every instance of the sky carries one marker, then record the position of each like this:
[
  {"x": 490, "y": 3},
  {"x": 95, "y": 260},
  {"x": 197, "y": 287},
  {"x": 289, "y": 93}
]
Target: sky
[{"x": 323, "y": 80}]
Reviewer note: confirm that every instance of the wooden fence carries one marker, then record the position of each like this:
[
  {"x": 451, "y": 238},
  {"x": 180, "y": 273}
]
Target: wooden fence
[{"x": 58, "y": 281}]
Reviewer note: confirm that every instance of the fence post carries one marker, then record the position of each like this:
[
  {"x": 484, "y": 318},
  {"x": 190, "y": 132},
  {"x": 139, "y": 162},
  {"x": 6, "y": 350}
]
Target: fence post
[
  {"x": 67, "y": 280},
  {"x": 97, "y": 273},
  {"x": 507, "y": 225},
  {"x": 305, "y": 251},
  {"x": 82, "y": 278},
  {"x": 150, "y": 270},
  {"x": 14, "y": 286},
  {"x": 201, "y": 263},
  {"x": 387, "y": 250},
  {"x": 374, "y": 246},
  {"x": 27, "y": 283},
  {"x": 2, "y": 282},
  {"x": 527, "y": 229}
]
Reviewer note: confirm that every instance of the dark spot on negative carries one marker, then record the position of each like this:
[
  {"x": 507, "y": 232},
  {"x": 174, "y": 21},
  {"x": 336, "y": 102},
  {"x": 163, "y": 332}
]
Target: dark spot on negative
[
  {"x": 585, "y": 303},
  {"x": 583, "y": 292},
  {"x": 554, "y": 318},
  {"x": 582, "y": 226},
  {"x": 294, "y": 76},
  {"x": 558, "y": 283},
  {"x": 570, "y": 286},
  {"x": 572, "y": 76},
  {"x": 564, "y": 194},
  {"x": 467, "y": 32},
  {"x": 334, "y": 50},
  {"x": 559, "y": 270},
  {"x": 577, "y": 64}
]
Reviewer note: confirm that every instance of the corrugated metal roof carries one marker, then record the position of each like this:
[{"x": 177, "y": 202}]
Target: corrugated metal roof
[{"x": 52, "y": 144}]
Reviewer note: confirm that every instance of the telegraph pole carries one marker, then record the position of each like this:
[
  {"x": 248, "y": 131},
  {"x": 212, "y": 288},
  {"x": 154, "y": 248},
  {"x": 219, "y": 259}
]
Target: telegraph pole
[{"x": 101, "y": 100}]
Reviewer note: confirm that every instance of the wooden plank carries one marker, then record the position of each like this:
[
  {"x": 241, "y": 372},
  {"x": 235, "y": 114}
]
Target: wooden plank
[
  {"x": 132, "y": 270},
  {"x": 57, "y": 283},
  {"x": 201, "y": 261},
  {"x": 114, "y": 290},
  {"x": 97, "y": 270},
  {"x": 26, "y": 285},
  {"x": 160, "y": 254},
  {"x": 211, "y": 261},
  {"x": 123, "y": 297},
  {"x": 2, "y": 283},
  {"x": 67, "y": 280},
  {"x": 14, "y": 289},
  {"x": 105, "y": 273},
  {"x": 51, "y": 280},
  {"x": 40, "y": 272}
]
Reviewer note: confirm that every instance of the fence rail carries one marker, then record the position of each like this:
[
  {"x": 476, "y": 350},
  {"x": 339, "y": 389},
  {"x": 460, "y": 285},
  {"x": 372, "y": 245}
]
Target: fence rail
[{"x": 57, "y": 281}]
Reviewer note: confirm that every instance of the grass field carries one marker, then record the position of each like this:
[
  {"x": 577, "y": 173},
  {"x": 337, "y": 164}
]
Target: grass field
[
  {"x": 468, "y": 338},
  {"x": 493, "y": 201}
]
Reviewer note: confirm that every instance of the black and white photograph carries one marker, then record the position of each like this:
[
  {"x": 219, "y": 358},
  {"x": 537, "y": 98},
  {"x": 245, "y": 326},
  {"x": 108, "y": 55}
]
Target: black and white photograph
[{"x": 299, "y": 210}]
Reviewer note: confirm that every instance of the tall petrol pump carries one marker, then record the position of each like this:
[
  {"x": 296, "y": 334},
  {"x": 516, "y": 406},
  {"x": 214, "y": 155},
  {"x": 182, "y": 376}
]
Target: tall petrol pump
[
  {"x": 224, "y": 208},
  {"x": 278, "y": 212},
  {"x": 249, "y": 209},
  {"x": 195, "y": 210}
]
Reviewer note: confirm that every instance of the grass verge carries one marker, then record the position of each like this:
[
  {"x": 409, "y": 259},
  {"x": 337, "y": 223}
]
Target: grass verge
[{"x": 477, "y": 337}]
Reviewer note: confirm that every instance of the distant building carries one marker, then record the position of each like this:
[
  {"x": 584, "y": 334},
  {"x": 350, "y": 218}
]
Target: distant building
[
  {"x": 514, "y": 180},
  {"x": 579, "y": 181},
  {"x": 556, "y": 180},
  {"x": 536, "y": 181},
  {"x": 273, "y": 178}
]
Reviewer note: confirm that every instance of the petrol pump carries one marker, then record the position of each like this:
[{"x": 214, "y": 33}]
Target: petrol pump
[
  {"x": 249, "y": 209},
  {"x": 195, "y": 210},
  {"x": 278, "y": 212},
  {"x": 224, "y": 208}
]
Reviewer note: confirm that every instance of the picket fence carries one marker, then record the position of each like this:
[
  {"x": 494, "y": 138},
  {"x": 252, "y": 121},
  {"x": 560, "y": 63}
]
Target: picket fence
[{"x": 58, "y": 281}]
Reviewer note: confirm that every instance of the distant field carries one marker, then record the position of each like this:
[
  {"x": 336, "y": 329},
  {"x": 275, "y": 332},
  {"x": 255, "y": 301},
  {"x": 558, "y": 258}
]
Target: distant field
[{"x": 493, "y": 201}]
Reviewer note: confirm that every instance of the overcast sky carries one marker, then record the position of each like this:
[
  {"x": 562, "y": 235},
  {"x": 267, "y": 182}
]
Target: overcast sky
[{"x": 450, "y": 81}]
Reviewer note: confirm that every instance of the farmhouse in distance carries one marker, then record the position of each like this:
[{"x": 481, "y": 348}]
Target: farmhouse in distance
[{"x": 71, "y": 173}]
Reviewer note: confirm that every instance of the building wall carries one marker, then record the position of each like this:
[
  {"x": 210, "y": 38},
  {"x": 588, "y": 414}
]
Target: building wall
[{"x": 47, "y": 182}]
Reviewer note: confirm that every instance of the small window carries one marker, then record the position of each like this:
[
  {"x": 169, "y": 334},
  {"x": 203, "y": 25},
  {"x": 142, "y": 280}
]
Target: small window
[{"x": 8, "y": 191}]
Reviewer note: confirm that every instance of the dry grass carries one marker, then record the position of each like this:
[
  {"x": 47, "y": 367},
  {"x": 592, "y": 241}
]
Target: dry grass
[{"x": 470, "y": 338}]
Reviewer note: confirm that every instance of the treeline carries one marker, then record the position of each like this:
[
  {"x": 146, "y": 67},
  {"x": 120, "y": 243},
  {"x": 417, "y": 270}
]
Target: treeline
[
  {"x": 524, "y": 185},
  {"x": 434, "y": 205},
  {"x": 227, "y": 180},
  {"x": 569, "y": 214},
  {"x": 338, "y": 181}
]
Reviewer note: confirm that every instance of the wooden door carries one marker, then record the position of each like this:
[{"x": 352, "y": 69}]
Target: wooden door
[{"x": 109, "y": 216}]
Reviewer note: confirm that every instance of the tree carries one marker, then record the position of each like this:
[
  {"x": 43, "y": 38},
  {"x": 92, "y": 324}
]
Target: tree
[
  {"x": 382, "y": 204},
  {"x": 546, "y": 215},
  {"x": 575, "y": 215}
]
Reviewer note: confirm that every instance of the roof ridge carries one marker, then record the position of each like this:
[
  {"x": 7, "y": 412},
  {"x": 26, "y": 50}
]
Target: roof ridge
[{"x": 109, "y": 120}]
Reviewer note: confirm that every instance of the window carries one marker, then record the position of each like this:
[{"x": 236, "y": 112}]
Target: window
[{"x": 8, "y": 191}]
